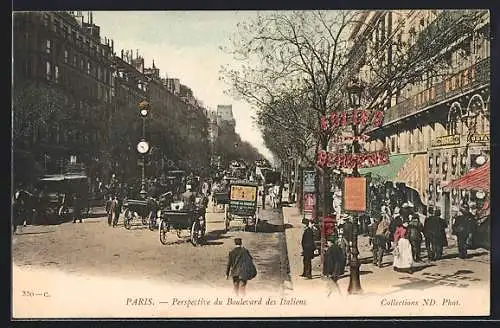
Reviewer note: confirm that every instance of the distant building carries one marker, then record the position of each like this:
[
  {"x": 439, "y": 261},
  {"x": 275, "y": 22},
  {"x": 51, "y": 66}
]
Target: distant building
[{"x": 225, "y": 115}]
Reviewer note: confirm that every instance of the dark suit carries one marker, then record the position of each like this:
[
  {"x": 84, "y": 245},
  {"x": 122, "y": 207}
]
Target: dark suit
[
  {"x": 307, "y": 251},
  {"x": 461, "y": 228},
  {"x": 433, "y": 237},
  {"x": 234, "y": 268}
]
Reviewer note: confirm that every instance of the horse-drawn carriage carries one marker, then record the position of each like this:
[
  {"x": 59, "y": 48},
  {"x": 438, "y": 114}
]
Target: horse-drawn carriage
[
  {"x": 135, "y": 209},
  {"x": 179, "y": 217},
  {"x": 242, "y": 205}
]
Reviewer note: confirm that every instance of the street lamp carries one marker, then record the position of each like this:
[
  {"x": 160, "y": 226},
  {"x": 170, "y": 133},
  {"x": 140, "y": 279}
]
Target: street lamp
[
  {"x": 143, "y": 145},
  {"x": 355, "y": 90}
]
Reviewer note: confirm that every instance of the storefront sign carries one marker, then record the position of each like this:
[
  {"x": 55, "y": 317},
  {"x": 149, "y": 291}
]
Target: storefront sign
[
  {"x": 446, "y": 140},
  {"x": 350, "y": 161},
  {"x": 308, "y": 181},
  {"x": 357, "y": 117},
  {"x": 309, "y": 201},
  {"x": 479, "y": 138},
  {"x": 354, "y": 194},
  {"x": 348, "y": 139}
]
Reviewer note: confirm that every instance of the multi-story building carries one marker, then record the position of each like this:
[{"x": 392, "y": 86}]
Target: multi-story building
[
  {"x": 436, "y": 128},
  {"x": 62, "y": 53},
  {"x": 225, "y": 116}
]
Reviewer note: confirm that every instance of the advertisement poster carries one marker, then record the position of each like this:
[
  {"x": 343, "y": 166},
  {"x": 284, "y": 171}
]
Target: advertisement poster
[
  {"x": 355, "y": 194},
  {"x": 309, "y": 177},
  {"x": 309, "y": 201}
]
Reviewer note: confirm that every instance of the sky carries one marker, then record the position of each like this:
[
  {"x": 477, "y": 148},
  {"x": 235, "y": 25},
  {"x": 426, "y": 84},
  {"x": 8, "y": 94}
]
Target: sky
[{"x": 185, "y": 45}]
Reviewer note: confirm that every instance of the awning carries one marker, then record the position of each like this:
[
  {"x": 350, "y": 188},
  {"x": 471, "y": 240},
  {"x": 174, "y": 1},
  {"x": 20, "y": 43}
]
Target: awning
[
  {"x": 388, "y": 171},
  {"x": 476, "y": 179}
]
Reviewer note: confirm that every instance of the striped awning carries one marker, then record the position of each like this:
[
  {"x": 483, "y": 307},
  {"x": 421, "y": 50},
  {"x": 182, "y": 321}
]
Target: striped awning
[{"x": 477, "y": 179}]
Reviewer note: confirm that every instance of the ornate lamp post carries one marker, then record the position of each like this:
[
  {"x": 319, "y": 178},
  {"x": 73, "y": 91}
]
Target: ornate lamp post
[
  {"x": 355, "y": 90},
  {"x": 143, "y": 146}
]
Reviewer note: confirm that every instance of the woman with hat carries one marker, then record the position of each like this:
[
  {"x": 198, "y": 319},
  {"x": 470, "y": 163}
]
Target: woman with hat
[{"x": 403, "y": 257}]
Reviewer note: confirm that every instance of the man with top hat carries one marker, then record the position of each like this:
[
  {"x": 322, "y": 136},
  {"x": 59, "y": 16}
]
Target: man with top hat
[
  {"x": 308, "y": 248},
  {"x": 461, "y": 229}
]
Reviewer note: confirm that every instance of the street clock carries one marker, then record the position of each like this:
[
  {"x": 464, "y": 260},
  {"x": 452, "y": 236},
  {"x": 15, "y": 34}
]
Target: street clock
[{"x": 143, "y": 147}]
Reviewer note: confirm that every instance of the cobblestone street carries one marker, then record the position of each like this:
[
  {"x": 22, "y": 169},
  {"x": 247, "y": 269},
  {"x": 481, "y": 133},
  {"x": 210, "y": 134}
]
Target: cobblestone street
[{"x": 93, "y": 248}]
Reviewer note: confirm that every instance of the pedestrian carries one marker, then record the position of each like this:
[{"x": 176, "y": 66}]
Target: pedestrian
[
  {"x": 78, "y": 209},
  {"x": 117, "y": 210},
  {"x": 241, "y": 267},
  {"x": 415, "y": 228},
  {"x": 400, "y": 232},
  {"x": 403, "y": 258},
  {"x": 308, "y": 250},
  {"x": 113, "y": 204},
  {"x": 461, "y": 229},
  {"x": 333, "y": 266},
  {"x": 380, "y": 236}
]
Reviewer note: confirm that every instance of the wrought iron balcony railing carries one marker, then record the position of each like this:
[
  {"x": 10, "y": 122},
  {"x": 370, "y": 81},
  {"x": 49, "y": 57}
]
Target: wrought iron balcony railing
[{"x": 474, "y": 76}]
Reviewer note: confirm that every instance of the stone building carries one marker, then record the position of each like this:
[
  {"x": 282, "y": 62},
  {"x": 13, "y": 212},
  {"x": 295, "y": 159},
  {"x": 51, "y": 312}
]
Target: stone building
[
  {"x": 438, "y": 127},
  {"x": 60, "y": 57}
]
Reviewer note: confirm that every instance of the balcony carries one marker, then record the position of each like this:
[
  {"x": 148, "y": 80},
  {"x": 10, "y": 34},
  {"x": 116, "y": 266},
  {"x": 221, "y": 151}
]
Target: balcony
[{"x": 466, "y": 80}]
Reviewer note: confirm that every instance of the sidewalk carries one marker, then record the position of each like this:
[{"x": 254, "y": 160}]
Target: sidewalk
[{"x": 450, "y": 271}]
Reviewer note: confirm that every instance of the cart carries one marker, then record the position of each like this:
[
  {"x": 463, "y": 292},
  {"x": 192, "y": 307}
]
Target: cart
[
  {"x": 135, "y": 209},
  {"x": 242, "y": 205},
  {"x": 176, "y": 218}
]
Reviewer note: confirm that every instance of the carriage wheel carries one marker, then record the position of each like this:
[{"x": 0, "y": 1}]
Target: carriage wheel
[
  {"x": 151, "y": 222},
  {"x": 144, "y": 219},
  {"x": 163, "y": 231},
  {"x": 127, "y": 219},
  {"x": 195, "y": 230}
]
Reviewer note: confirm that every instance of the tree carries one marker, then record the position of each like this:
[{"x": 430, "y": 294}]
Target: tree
[
  {"x": 308, "y": 55},
  {"x": 36, "y": 106}
]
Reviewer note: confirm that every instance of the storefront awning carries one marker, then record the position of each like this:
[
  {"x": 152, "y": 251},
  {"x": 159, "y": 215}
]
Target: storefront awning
[
  {"x": 477, "y": 179},
  {"x": 388, "y": 171}
]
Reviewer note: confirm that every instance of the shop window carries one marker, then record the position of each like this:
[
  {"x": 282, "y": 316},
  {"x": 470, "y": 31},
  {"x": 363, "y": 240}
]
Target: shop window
[
  {"x": 48, "y": 46},
  {"x": 48, "y": 71},
  {"x": 66, "y": 55},
  {"x": 56, "y": 73}
]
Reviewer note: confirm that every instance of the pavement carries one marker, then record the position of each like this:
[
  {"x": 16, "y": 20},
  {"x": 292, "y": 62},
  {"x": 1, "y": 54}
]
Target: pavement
[{"x": 451, "y": 271}]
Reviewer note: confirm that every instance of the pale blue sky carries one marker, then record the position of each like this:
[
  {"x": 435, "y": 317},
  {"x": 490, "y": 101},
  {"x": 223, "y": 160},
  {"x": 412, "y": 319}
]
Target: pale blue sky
[{"x": 185, "y": 45}]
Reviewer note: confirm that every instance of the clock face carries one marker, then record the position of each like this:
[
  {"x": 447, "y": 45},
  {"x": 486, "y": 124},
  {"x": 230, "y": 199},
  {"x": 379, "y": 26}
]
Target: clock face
[{"x": 143, "y": 147}]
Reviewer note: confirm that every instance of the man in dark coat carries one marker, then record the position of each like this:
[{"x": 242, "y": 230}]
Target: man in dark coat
[
  {"x": 433, "y": 236},
  {"x": 461, "y": 229},
  {"x": 308, "y": 250},
  {"x": 237, "y": 267},
  {"x": 333, "y": 266},
  {"x": 415, "y": 229}
]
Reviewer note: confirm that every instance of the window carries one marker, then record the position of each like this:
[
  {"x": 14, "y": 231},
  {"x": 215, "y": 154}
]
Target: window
[
  {"x": 48, "y": 46},
  {"x": 74, "y": 60},
  {"x": 82, "y": 64},
  {"x": 65, "y": 56},
  {"x": 56, "y": 70},
  {"x": 48, "y": 71},
  {"x": 88, "y": 67}
]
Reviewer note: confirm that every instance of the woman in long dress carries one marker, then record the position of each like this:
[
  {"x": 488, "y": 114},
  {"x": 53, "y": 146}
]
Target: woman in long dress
[{"x": 403, "y": 258}]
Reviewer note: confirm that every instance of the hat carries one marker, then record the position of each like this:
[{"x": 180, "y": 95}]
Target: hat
[
  {"x": 405, "y": 205},
  {"x": 237, "y": 241}
]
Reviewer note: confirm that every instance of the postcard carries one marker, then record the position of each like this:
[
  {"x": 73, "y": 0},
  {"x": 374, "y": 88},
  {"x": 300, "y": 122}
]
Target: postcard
[{"x": 262, "y": 164}]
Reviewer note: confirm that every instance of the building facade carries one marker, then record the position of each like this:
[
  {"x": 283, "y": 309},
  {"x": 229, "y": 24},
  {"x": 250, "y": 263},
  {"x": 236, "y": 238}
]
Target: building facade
[
  {"x": 441, "y": 123},
  {"x": 62, "y": 55}
]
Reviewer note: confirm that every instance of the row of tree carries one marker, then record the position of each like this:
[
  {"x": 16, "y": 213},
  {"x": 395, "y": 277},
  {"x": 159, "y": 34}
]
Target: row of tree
[{"x": 295, "y": 67}]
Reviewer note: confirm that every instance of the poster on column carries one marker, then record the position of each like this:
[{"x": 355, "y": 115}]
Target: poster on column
[{"x": 354, "y": 194}]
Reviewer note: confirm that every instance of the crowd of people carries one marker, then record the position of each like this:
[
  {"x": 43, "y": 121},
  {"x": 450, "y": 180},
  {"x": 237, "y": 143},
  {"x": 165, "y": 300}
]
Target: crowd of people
[{"x": 396, "y": 227}]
